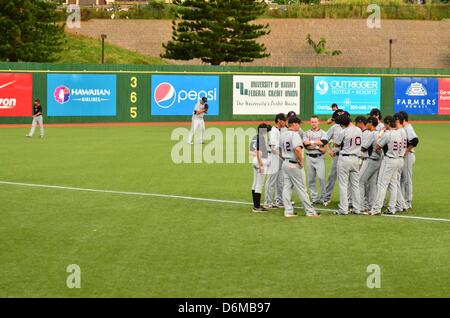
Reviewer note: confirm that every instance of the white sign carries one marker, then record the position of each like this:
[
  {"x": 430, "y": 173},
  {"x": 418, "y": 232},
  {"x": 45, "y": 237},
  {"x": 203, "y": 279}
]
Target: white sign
[{"x": 265, "y": 95}]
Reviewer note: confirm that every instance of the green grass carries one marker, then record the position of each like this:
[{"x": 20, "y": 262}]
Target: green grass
[
  {"x": 135, "y": 246},
  {"x": 84, "y": 50}
]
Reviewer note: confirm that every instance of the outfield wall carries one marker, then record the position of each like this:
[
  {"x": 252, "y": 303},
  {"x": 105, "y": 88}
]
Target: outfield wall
[{"x": 140, "y": 93}]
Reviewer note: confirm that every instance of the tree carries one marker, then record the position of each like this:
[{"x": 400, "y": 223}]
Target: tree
[
  {"x": 319, "y": 47},
  {"x": 30, "y": 31},
  {"x": 217, "y": 31}
]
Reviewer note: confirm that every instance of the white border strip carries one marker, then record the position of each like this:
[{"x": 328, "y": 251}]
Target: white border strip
[{"x": 34, "y": 185}]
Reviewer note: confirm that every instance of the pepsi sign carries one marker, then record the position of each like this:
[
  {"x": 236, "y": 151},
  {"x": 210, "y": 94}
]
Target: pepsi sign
[
  {"x": 176, "y": 95},
  {"x": 81, "y": 95}
]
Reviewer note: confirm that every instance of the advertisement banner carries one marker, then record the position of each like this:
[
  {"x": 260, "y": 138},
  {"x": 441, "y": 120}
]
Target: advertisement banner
[
  {"x": 176, "y": 95},
  {"x": 81, "y": 95},
  {"x": 416, "y": 95},
  {"x": 444, "y": 96},
  {"x": 16, "y": 92},
  {"x": 357, "y": 95},
  {"x": 265, "y": 95}
]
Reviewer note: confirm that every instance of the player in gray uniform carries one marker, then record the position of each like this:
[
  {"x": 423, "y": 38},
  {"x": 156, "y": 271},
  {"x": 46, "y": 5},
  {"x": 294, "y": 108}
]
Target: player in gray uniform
[
  {"x": 401, "y": 204},
  {"x": 391, "y": 144},
  {"x": 349, "y": 139},
  {"x": 294, "y": 174},
  {"x": 197, "y": 120},
  {"x": 275, "y": 161},
  {"x": 368, "y": 173},
  {"x": 410, "y": 159},
  {"x": 332, "y": 134},
  {"x": 280, "y": 179},
  {"x": 375, "y": 112},
  {"x": 361, "y": 123},
  {"x": 259, "y": 155},
  {"x": 315, "y": 140}
]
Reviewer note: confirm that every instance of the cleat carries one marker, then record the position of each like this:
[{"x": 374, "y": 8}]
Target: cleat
[
  {"x": 325, "y": 203},
  {"x": 374, "y": 213},
  {"x": 270, "y": 206},
  {"x": 290, "y": 215},
  {"x": 259, "y": 210},
  {"x": 313, "y": 215}
]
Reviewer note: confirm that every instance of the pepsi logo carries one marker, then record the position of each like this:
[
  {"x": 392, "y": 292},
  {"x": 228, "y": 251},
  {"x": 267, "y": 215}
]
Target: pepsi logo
[{"x": 165, "y": 95}]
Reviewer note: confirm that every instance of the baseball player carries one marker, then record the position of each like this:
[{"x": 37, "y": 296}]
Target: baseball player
[
  {"x": 332, "y": 134},
  {"x": 37, "y": 119},
  {"x": 368, "y": 172},
  {"x": 375, "y": 112},
  {"x": 275, "y": 161},
  {"x": 197, "y": 120},
  {"x": 334, "y": 107},
  {"x": 410, "y": 159},
  {"x": 315, "y": 140},
  {"x": 401, "y": 204},
  {"x": 391, "y": 144},
  {"x": 349, "y": 139},
  {"x": 259, "y": 155},
  {"x": 294, "y": 175}
]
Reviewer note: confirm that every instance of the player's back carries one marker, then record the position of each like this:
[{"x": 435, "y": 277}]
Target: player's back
[
  {"x": 367, "y": 139},
  {"x": 351, "y": 143},
  {"x": 394, "y": 145},
  {"x": 289, "y": 141}
]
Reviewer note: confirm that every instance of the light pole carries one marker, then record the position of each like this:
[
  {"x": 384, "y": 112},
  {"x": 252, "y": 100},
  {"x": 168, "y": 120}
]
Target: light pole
[
  {"x": 390, "y": 51},
  {"x": 103, "y": 36}
]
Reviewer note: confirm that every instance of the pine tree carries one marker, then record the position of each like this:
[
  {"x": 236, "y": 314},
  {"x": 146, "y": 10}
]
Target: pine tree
[
  {"x": 29, "y": 31},
  {"x": 217, "y": 31}
]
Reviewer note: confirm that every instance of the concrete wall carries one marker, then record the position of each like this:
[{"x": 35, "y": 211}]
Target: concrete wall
[{"x": 420, "y": 44}]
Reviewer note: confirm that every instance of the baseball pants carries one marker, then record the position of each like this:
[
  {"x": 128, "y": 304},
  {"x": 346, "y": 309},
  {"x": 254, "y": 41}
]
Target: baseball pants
[
  {"x": 387, "y": 178},
  {"x": 348, "y": 175},
  {"x": 197, "y": 123},
  {"x": 258, "y": 177},
  {"x": 407, "y": 179},
  {"x": 37, "y": 120},
  {"x": 316, "y": 168},
  {"x": 294, "y": 177},
  {"x": 272, "y": 176},
  {"x": 368, "y": 182},
  {"x": 331, "y": 179}
]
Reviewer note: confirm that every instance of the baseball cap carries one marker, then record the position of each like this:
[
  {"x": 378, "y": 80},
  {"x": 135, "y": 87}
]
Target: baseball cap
[
  {"x": 280, "y": 116},
  {"x": 294, "y": 120},
  {"x": 291, "y": 114}
]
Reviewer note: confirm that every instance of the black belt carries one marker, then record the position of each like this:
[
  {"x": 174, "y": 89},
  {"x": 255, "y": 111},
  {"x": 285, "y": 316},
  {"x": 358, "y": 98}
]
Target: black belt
[
  {"x": 292, "y": 161},
  {"x": 346, "y": 155},
  {"x": 314, "y": 155},
  {"x": 374, "y": 159}
]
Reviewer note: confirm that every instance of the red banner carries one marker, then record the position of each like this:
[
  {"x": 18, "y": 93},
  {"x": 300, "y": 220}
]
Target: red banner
[
  {"x": 16, "y": 94},
  {"x": 444, "y": 96}
]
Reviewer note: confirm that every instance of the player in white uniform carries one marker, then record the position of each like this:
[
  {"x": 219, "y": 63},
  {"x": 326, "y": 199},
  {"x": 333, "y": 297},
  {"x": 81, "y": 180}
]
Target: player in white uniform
[
  {"x": 375, "y": 112},
  {"x": 391, "y": 144},
  {"x": 294, "y": 174},
  {"x": 197, "y": 120},
  {"x": 349, "y": 139},
  {"x": 368, "y": 173},
  {"x": 401, "y": 204},
  {"x": 259, "y": 156},
  {"x": 332, "y": 134},
  {"x": 274, "y": 151},
  {"x": 315, "y": 140},
  {"x": 410, "y": 159}
]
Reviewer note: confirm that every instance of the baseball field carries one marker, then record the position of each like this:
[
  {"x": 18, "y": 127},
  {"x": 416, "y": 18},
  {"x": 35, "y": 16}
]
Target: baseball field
[{"x": 111, "y": 200}]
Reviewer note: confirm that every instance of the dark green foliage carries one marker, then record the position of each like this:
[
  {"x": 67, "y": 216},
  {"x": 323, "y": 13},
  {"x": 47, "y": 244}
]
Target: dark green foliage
[
  {"x": 30, "y": 31},
  {"x": 217, "y": 31}
]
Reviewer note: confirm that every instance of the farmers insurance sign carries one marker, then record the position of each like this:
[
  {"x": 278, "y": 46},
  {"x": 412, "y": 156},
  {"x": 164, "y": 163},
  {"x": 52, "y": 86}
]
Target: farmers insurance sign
[
  {"x": 265, "y": 95},
  {"x": 16, "y": 94},
  {"x": 422, "y": 95}
]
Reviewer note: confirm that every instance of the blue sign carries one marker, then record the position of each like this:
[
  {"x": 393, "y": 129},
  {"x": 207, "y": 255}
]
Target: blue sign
[
  {"x": 357, "y": 95},
  {"x": 416, "y": 95},
  {"x": 178, "y": 94},
  {"x": 81, "y": 95}
]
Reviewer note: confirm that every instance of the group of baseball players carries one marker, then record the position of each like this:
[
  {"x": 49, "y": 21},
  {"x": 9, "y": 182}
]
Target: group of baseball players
[{"x": 370, "y": 156}]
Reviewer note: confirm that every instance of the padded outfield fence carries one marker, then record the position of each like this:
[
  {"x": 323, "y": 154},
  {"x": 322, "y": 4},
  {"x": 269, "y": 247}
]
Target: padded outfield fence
[{"x": 144, "y": 93}]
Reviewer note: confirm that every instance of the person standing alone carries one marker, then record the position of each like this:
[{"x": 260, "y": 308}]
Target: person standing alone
[
  {"x": 37, "y": 119},
  {"x": 197, "y": 120}
]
